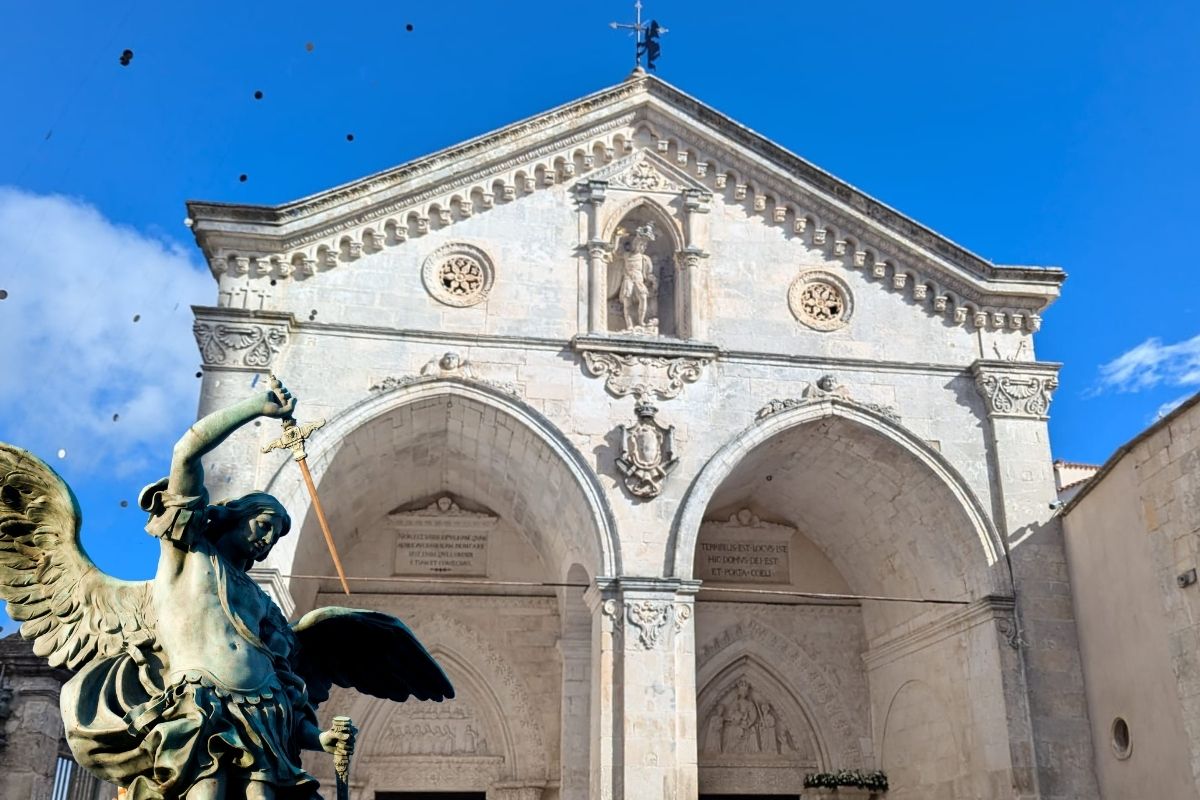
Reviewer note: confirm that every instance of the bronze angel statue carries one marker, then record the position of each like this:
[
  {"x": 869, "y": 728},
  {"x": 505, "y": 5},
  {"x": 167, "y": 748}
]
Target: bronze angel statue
[{"x": 192, "y": 686}]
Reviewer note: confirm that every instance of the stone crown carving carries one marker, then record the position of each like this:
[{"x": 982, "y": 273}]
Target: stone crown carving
[
  {"x": 523, "y": 158},
  {"x": 824, "y": 388},
  {"x": 644, "y": 376}
]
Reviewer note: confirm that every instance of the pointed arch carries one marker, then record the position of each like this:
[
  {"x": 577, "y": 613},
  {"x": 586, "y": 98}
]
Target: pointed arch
[
  {"x": 614, "y": 213},
  {"x": 573, "y": 523},
  {"x": 976, "y": 532}
]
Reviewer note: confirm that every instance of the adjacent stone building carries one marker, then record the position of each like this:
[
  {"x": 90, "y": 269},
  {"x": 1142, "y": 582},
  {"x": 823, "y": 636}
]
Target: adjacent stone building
[{"x": 1133, "y": 545}]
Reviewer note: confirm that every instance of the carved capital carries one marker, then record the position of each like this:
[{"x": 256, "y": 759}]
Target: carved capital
[
  {"x": 649, "y": 619},
  {"x": 1016, "y": 390},
  {"x": 239, "y": 344}
]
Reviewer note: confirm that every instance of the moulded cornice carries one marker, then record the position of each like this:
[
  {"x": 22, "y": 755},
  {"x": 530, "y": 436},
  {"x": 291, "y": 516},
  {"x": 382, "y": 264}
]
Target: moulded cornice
[{"x": 696, "y": 147}]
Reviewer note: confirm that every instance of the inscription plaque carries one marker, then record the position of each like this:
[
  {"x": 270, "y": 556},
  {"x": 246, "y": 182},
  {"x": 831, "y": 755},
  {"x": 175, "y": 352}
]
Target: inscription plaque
[
  {"x": 744, "y": 549},
  {"x": 442, "y": 539}
]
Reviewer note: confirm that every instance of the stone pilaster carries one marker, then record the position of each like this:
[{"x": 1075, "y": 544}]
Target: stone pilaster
[
  {"x": 643, "y": 689},
  {"x": 591, "y": 197},
  {"x": 32, "y": 725},
  {"x": 1016, "y": 398},
  {"x": 689, "y": 289},
  {"x": 576, "y": 730}
]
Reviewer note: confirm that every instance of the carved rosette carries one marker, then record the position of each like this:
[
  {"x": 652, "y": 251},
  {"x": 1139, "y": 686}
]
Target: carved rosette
[
  {"x": 649, "y": 618},
  {"x": 234, "y": 344},
  {"x": 458, "y": 274},
  {"x": 1009, "y": 390},
  {"x": 644, "y": 176},
  {"x": 643, "y": 376},
  {"x": 821, "y": 300},
  {"x": 647, "y": 453}
]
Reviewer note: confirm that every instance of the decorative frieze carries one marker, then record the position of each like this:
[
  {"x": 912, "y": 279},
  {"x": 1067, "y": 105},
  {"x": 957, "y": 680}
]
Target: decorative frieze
[
  {"x": 644, "y": 376},
  {"x": 239, "y": 344},
  {"x": 1012, "y": 389},
  {"x": 826, "y": 387},
  {"x": 448, "y": 365}
]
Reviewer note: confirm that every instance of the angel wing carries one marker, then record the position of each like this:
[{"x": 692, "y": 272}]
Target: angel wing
[
  {"x": 72, "y": 611},
  {"x": 365, "y": 650}
]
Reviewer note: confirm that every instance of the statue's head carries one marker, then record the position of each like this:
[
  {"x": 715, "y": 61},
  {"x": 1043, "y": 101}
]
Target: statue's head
[{"x": 246, "y": 528}]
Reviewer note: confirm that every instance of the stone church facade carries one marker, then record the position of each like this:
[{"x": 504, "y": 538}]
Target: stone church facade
[{"x": 697, "y": 468}]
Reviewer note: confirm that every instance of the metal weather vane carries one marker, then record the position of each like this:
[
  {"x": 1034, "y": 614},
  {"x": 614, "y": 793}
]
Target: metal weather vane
[{"x": 645, "y": 35}]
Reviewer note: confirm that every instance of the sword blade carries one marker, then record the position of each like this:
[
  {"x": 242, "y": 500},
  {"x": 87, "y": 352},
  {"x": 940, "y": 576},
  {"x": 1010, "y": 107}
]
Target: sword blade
[{"x": 316, "y": 502}]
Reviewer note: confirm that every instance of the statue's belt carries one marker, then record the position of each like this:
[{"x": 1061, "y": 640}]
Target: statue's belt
[{"x": 141, "y": 718}]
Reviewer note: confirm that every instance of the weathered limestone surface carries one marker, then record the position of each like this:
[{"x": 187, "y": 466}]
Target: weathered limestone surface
[
  {"x": 31, "y": 723},
  {"x": 810, "y": 394},
  {"x": 1131, "y": 545}
]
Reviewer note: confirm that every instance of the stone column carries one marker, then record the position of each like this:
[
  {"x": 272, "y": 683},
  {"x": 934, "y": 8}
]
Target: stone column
[
  {"x": 29, "y": 720},
  {"x": 643, "y": 689},
  {"x": 689, "y": 289},
  {"x": 591, "y": 197},
  {"x": 1016, "y": 398}
]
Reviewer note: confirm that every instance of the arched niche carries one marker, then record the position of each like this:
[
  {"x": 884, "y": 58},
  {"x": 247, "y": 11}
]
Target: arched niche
[
  {"x": 506, "y": 743},
  {"x": 919, "y": 750},
  {"x": 643, "y": 290},
  {"x": 446, "y": 435},
  {"x": 754, "y": 734}
]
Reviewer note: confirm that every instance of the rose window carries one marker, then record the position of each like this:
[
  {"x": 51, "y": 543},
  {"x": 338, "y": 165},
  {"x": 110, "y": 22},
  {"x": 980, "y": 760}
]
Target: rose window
[
  {"x": 458, "y": 274},
  {"x": 820, "y": 300}
]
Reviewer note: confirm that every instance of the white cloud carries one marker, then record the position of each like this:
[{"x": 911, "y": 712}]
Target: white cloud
[
  {"x": 1151, "y": 364},
  {"x": 71, "y": 355},
  {"x": 1170, "y": 405}
]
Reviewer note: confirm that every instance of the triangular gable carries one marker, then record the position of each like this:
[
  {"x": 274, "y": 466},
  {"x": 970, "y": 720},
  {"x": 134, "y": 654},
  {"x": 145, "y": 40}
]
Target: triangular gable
[{"x": 694, "y": 148}]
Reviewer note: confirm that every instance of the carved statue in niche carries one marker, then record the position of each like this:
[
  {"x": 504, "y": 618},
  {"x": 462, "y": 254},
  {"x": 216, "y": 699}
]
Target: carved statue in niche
[
  {"x": 640, "y": 283},
  {"x": 745, "y": 723}
]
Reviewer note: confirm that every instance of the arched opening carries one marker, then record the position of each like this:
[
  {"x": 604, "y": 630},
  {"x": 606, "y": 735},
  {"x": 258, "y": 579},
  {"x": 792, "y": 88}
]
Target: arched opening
[
  {"x": 834, "y": 499},
  {"x": 642, "y": 276},
  {"x": 449, "y": 499}
]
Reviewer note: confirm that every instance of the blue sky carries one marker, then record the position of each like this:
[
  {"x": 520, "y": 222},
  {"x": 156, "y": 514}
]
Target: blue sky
[{"x": 1030, "y": 132}]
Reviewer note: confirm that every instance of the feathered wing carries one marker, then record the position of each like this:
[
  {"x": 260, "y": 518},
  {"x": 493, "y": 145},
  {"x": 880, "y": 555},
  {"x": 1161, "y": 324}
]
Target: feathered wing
[
  {"x": 72, "y": 611},
  {"x": 365, "y": 650}
]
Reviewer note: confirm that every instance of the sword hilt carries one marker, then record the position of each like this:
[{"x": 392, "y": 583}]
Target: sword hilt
[
  {"x": 294, "y": 434},
  {"x": 341, "y": 757}
]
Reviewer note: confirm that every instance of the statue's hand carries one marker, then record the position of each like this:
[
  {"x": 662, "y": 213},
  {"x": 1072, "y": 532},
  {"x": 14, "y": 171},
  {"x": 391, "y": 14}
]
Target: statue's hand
[
  {"x": 334, "y": 741},
  {"x": 278, "y": 402}
]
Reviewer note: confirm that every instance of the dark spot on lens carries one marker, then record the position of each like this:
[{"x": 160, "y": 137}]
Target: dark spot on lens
[
  {"x": 199, "y": 374},
  {"x": 242, "y": 177},
  {"x": 349, "y": 137},
  {"x": 309, "y": 46},
  {"x": 137, "y": 317},
  {"x": 258, "y": 423},
  {"x": 408, "y": 27},
  {"x": 3, "y": 294},
  {"x": 124, "y": 504},
  {"x": 116, "y": 417},
  {"x": 768, "y": 477},
  {"x": 126, "y": 57},
  {"x": 258, "y": 95},
  {"x": 272, "y": 281}
]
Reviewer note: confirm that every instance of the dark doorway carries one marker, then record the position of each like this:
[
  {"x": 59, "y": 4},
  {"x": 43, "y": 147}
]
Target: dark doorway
[{"x": 430, "y": 795}]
